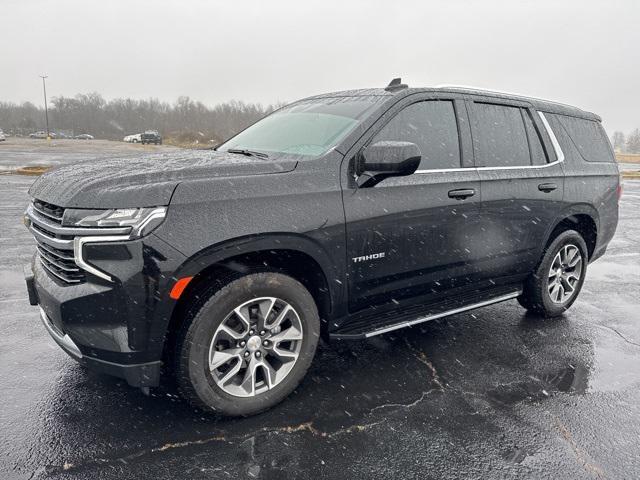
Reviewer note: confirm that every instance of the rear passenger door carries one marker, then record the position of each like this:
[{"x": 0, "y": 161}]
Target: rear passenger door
[
  {"x": 410, "y": 236},
  {"x": 522, "y": 185}
]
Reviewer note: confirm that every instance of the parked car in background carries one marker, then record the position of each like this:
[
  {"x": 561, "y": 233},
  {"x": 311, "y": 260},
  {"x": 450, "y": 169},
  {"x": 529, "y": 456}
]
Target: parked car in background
[
  {"x": 151, "y": 136},
  {"x": 2, "y": 136},
  {"x": 136, "y": 138},
  {"x": 42, "y": 134},
  {"x": 84, "y": 136}
]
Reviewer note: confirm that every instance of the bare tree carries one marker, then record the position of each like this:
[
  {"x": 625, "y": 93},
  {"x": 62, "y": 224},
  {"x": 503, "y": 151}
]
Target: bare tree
[
  {"x": 91, "y": 113},
  {"x": 618, "y": 141},
  {"x": 633, "y": 141}
]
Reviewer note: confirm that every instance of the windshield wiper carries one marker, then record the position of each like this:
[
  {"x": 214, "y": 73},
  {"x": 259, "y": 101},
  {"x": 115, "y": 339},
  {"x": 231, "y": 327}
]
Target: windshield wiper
[{"x": 248, "y": 153}]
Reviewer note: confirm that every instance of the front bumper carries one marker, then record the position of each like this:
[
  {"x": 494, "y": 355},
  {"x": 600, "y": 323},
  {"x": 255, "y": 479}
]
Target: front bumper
[
  {"x": 138, "y": 375},
  {"x": 112, "y": 327},
  {"x": 62, "y": 339}
]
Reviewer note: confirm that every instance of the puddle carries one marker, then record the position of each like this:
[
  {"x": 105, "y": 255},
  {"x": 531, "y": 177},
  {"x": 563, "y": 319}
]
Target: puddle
[{"x": 571, "y": 379}]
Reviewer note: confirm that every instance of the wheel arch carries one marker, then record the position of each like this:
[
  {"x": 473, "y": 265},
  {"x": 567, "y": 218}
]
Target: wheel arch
[
  {"x": 583, "y": 218},
  {"x": 295, "y": 255}
]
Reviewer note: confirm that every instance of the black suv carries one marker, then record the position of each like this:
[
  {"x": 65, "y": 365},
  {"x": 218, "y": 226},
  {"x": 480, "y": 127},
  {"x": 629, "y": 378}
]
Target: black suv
[
  {"x": 342, "y": 216},
  {"x": 151, "y": 136}
]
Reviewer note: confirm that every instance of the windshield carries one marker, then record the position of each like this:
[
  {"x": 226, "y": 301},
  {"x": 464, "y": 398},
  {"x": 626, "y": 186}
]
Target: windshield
[{"x": 308, "y": 128}]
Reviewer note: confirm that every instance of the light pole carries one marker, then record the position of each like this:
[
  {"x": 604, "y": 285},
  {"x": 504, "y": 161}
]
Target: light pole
[{"x": 46, "y": 109}]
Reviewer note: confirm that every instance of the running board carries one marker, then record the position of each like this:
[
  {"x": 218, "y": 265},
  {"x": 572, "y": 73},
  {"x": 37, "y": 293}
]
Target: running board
[{"x": 360, "y": 334}]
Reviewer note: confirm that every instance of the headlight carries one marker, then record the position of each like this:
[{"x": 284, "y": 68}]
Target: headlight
[{"x": 141, "y": 220}]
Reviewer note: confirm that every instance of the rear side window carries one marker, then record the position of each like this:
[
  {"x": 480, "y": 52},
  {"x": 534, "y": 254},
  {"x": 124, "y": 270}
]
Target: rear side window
[
  {"x": 588, "y": 137},
  {"x": 500, "y": 138},
  {"x": 432, "y": 126}
]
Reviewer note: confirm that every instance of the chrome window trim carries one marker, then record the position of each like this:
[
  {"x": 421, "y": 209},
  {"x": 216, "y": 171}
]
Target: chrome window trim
[
  {"x": 80, "y": 242},
  {"x": 552, "y": 136},
  {"x": 554, "y": 142},
  {"x": 445, "y": 170}
]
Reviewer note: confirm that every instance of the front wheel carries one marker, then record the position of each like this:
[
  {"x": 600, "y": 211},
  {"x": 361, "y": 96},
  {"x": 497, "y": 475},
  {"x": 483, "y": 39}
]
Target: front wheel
[
  {"x": 556, "y": 283},
  {"x": 249, "y": 345}
]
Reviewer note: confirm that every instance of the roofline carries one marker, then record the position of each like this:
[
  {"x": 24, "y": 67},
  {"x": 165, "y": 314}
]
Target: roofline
[
  {"x": 471, "y": 88},
  {"x": 538, "y": 103}
]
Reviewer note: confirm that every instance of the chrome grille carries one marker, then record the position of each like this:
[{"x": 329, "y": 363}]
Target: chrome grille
[
  {"x": 52, "y": 212},
  {"x": 55, "y": 249},
  {"x": 55, "y": 242},
  {"x": 60, "y": 264}
]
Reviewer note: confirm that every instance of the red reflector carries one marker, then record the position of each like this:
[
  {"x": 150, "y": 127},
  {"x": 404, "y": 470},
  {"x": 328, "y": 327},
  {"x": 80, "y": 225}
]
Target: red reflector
[{"x": 179, "y": 287}]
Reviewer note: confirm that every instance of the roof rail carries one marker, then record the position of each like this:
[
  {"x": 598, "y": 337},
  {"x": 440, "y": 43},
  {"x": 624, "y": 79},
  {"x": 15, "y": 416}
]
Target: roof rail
[{"x": 485, "y": 90}]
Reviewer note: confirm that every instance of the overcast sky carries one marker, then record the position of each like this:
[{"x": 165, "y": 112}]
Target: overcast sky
[{"x": 585, "y": 53}]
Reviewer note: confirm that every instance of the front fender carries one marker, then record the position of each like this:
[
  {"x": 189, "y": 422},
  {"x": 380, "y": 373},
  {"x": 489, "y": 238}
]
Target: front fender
[
  {"x": 262, "y": 242},
  {"x": 333, "y": 269}
]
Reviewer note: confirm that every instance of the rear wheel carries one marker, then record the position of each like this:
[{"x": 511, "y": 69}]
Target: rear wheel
[
  {"x": 248, "y": 346},
  {"x": 556, "y": 283}
]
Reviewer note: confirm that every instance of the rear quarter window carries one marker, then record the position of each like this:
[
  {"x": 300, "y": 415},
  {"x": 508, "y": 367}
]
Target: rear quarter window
[{"x": 589, "y": 138}]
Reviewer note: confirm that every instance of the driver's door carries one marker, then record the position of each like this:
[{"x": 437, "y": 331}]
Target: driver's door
[{"x": 413, "y": 236}]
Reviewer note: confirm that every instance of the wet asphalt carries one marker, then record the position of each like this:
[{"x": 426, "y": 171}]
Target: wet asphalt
[{"x": 493, "y": 393}]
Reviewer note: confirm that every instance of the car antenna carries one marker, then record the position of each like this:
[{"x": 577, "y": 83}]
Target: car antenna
[{"x": 396, "y": 84}]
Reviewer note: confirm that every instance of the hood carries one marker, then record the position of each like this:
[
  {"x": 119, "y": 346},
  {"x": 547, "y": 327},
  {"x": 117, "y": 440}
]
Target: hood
[{"x": 144, "y": 181}]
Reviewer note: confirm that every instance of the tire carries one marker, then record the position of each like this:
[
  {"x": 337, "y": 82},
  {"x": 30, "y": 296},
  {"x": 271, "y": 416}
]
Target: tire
[
  {"x": 543, "y": 293},
  {"x": 203, "y": 386}
]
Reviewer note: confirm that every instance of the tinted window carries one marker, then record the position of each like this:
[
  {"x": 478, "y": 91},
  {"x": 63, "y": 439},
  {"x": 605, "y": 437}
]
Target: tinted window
[
  {"x": 432, "y": 126},
  {"x": 500, "y": 138},
  {"x": 538, "y": 156},
  {"x": 589, "y": 137}
]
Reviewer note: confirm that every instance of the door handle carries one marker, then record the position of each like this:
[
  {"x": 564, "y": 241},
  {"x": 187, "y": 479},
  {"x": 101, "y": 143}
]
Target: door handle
[
  {"x": 547, "y": 187},
  {"x": 462, "y": 193}
]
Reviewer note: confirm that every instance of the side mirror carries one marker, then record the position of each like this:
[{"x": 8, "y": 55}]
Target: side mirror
[{"x": 386, "y": 159}]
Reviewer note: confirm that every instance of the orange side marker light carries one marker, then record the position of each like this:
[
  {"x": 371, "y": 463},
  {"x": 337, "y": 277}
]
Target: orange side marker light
[{"x": 179, "y": 287}]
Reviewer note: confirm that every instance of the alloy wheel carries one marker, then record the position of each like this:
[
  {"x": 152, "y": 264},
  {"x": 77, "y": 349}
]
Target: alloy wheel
[
  {"x": 565, "y": 273},
  {"x": 255, "y": 347}
]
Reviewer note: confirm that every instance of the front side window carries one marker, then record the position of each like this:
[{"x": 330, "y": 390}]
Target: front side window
[
  {"x": 308, "y": 128},
  {"x": 431, "y": 125},
  {"x": 500, "y": 139}
]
